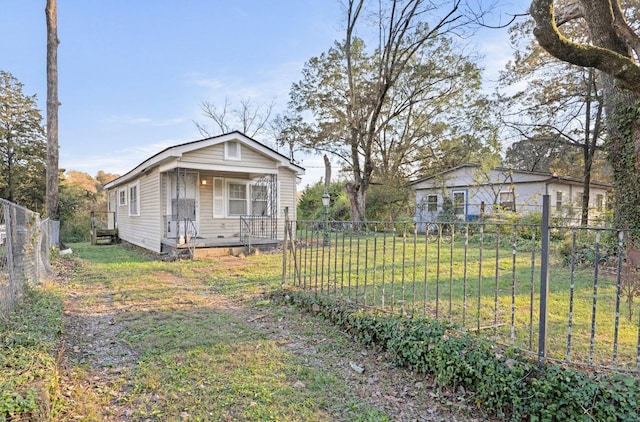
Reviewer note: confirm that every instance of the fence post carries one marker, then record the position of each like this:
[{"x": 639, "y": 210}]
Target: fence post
[
  {"x": 285, "y": 245},
  {"x": 10, "y": 236},
  {"x": 544, "y": 274}
]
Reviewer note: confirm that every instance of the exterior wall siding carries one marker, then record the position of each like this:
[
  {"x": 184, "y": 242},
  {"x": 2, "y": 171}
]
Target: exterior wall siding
[
  {"x": 528, "y": 191},
  {"x": 153, "y": 225},
  {"x": 215, "y": 154},
  {"x": 142, "y": 230}
]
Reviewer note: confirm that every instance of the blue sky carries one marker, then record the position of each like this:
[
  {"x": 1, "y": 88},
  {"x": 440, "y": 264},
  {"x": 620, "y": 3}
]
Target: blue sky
[{"x": 133, "y": 73}]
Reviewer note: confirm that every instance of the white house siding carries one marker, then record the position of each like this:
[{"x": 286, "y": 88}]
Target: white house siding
[
  {"x": 528, "y": 189},
  {"x": 288, "y": 194},
  {"x": 250, "y": 159},
  {"x": 211, "y": 227},
  {"x": 142, "y": 230}
]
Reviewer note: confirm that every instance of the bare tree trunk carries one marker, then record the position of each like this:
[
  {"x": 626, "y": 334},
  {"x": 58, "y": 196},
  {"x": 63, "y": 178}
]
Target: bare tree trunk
[
  {"x": 51, "y": 13},
  {"x": 356, "y": 202},
  {"x": 327, "y": 173}
]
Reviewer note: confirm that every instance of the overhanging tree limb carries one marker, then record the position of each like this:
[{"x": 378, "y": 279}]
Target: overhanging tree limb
[{"x": 546, "y": 31}]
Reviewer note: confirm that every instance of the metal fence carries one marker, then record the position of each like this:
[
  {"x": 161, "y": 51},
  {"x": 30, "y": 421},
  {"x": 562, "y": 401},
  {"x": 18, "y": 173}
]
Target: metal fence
[
  {"x": 562, "y": 292},
  {"x": 25, "y": 242}
]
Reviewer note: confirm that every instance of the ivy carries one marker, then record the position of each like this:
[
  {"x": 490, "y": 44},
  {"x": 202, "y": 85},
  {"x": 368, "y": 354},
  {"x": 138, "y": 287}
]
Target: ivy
[{"x": 506, "y": 383}]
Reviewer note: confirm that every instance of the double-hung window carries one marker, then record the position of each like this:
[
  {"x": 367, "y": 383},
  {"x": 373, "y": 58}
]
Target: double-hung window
[
  {"x": 134, "y": 198},
  {"x": 432, "y": 203},
  {"x": 507, "y": 200},
  {"x": 237, "y": 198},
  {"x": 122, "y": 197},
  {"x": 599, "y": 202},
  {"x": 459, "y": 203}
]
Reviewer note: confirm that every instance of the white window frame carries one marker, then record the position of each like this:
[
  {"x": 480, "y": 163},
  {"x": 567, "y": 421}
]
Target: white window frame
[
  {"x": 463, "y": 205},
  {"x": 559, "y": 195},
  {"x": 228, "y": 198},
  {"x": 221, "y": 197},
  {"x": 599, "y": 202},
  {"x": 432, "y": 204},
  {"x": 122, "y": 197},
  {"x": 134, "y": 201},
  {"x": 579, "y": 200},
  {"x": 512, "y": 194},
  {"x": 228, "y": 156}
]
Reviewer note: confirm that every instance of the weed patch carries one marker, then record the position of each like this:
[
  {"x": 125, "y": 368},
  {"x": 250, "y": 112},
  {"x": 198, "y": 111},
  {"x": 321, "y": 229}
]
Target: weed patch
[{"x": 28, "y": 366}]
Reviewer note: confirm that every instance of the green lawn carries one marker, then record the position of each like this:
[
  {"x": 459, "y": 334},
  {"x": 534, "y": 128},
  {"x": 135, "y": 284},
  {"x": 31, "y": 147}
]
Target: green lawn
[
  {"x": 191, "y": 353},
  {"x": 482, "y": 283}
]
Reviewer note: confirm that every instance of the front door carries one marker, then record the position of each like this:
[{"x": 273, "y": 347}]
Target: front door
[{"x": 182, "y": 203}]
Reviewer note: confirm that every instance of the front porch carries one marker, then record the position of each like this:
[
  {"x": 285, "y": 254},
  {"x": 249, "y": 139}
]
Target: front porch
[
  {"x": 201, "y": 247},
  {"x": 256, "y": 232}
]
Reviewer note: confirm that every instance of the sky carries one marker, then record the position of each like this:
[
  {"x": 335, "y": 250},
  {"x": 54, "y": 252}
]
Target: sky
[{"x": 134, "y": 73}]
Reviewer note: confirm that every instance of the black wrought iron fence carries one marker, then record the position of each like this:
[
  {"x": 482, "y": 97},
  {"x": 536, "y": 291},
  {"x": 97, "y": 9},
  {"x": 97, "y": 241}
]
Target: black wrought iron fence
[
  {"x": 24, "y": 252},
  {"x": 567, "y": 293}
]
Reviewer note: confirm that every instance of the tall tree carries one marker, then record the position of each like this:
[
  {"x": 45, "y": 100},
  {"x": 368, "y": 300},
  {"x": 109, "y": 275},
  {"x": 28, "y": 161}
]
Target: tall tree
[
  {"x": 51, "y": 12},
  {"x": 365, "y": 102},
  {"x": 559, "y": 106},
  {"x": 22, "y": 146},
  {"x": 613, "y": 49}
]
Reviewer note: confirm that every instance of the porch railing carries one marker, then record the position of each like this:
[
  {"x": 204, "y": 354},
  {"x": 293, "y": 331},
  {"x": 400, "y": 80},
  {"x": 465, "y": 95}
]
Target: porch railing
[{"x": 258, "y": 226}]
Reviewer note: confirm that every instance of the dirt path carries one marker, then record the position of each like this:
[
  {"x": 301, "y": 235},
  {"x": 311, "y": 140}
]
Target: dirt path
[{"x": 98, "y": 360}]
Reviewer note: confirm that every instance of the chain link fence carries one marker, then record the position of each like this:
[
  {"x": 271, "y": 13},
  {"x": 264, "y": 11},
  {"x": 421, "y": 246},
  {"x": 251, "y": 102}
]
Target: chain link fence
[{"x": 25, "y": 244}]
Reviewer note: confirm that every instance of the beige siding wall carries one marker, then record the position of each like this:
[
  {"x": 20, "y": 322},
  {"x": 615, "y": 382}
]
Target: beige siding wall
[
  {"x": 288, "y": 192},
  {"x": 144, "y": 229},
  {"x": 215, "y": 154},
  {"x": 214, "y": 227},
  {"x": 229, "y": 226}
]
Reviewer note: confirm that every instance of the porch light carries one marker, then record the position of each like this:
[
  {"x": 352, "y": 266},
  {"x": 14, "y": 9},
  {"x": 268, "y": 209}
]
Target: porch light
[
  {"x": 204, "y": 182},
  {"x": 326, "y": 201}
]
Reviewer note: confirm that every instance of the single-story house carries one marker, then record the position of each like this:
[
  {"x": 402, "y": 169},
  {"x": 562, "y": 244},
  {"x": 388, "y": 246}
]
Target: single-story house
[
  {"x": 472, "y": 192},
  {"x": 222, "y": 191}
]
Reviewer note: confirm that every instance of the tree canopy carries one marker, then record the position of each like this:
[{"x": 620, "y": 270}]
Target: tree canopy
[
  {"x": 22, "y": 146},
  {"x": 613, "y": 48},
  {"x": 383, "y": 111}
]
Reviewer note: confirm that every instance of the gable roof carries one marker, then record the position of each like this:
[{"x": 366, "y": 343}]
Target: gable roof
[
  {"x": 544, "y": 176},
  {"x": 177, "y": 151}
]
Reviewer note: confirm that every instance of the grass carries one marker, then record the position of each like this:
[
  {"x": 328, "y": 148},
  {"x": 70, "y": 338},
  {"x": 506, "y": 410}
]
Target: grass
[
  {"x": 192, "y": 355},
  {"x": 485, "y": 284},
  {"x": 28, "y": 362}
]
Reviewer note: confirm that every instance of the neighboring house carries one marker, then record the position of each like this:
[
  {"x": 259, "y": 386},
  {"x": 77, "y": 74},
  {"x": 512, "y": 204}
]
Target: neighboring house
[
  {"x": 472, "y": 192},
  {"x": 225, "y": 190}
]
